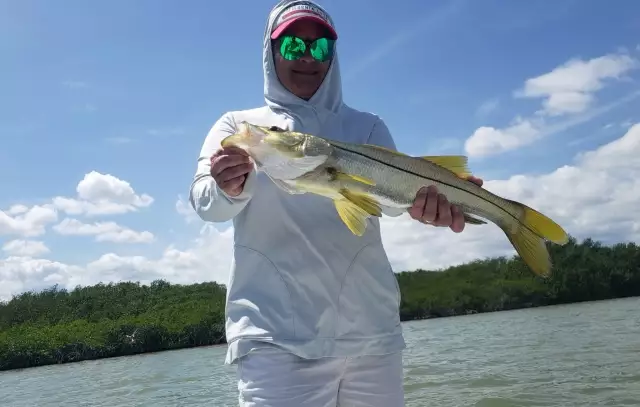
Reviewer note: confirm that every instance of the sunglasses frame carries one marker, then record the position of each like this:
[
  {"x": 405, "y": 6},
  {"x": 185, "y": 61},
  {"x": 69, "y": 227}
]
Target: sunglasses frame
[{"x": 307, "y": 44}]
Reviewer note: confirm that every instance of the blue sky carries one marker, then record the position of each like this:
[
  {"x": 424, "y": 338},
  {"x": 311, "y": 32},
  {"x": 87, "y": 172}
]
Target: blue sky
[{"x": 130, "y": 88}]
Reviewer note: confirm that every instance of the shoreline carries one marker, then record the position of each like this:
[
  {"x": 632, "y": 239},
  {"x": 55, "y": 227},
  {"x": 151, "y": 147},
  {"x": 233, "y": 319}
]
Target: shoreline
[
  {"x": 58, "y": 326},
  {"x": 224, "y": 343}
]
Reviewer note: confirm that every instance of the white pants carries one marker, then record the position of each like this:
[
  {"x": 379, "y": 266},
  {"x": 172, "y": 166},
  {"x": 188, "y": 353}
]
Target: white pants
[{"x": 275, "y": 378}]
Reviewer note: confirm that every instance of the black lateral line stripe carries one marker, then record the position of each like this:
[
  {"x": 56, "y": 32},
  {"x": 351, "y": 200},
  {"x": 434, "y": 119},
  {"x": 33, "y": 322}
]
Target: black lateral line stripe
[{"x": 431, "y": 179}]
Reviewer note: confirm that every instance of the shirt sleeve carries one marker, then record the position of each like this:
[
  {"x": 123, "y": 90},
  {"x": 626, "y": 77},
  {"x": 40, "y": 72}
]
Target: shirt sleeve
[
  {"x": 210, "y": 202},
  {"x": 381, "y": 136}
]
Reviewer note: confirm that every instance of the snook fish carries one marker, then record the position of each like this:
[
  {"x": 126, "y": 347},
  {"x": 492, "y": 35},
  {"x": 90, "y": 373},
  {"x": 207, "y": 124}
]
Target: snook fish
[{"x": 366, "y": 180}]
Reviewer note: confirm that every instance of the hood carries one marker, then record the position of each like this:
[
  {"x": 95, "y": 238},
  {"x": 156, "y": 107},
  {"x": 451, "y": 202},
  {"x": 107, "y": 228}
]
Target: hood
[{"x": 325, "y": 103}]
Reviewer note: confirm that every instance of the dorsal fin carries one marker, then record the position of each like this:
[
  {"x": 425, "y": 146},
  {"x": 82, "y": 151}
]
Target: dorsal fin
[
  {"x": 386, "y": 149},
  {"x": 454, "y": 163}
]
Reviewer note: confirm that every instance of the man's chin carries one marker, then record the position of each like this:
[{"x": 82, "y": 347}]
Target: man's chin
[{"x": 306, "y": 93}]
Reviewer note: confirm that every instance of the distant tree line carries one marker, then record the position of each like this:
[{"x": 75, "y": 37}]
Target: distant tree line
[
  {"x": 587, "y": 271},
  {"x": 105, "y": 320}
]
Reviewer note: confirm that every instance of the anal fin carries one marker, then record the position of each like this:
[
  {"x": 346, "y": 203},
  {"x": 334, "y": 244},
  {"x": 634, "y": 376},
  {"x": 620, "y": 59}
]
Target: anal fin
[{"x": 472, "y": 220}]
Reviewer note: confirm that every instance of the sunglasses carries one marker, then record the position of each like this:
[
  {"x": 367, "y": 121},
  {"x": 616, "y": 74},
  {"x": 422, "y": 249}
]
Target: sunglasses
[{"x": 292, "y": 48}]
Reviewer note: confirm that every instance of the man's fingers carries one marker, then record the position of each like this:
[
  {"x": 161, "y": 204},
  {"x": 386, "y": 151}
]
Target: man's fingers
[
  {"x": 431, "y": 207},
  {"x": 230, "y": 151},
  {"x": 417, "y": 208},
  {"x": 233, "y": 172},
  {"x": 457, "y": 223},
  {"x": 476, "y": 180},
  {"x": 234, "y": 185},
  {"x": 222, "y": 163},
  {"x": 444, "y": 211}
]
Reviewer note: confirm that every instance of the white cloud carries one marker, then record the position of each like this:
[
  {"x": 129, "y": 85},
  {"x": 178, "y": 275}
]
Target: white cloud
[
  {"x": 183, "y": 207},
  {"x": 24, "y": 221},
  {"x": 593, "y": 196},
  {"x": 208, "y": 258},
  {"x": 102, "y": 194},
  {"x": 487, "y": 107},
  {"x": 26, "y": 248},
  {"x": 488, "y": 140},
  {"x": 23, "y": 273},
  {"x": 570, "y": 87},
  {"x": 568, "y": 90},
  {"x": 103, "y": 231},
  {"x": 18, "y": 209}
]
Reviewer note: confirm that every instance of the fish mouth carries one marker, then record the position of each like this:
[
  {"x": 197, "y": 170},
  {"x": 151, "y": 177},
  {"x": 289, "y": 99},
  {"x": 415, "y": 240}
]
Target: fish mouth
[
  {"x": 248, "y": 136},
  {"x": 266, "y": 143}
]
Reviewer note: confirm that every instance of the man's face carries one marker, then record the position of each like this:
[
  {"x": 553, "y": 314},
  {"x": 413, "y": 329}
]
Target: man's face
[{"x": 303, "y": 76}]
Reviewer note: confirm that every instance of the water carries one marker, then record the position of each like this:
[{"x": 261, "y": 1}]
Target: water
[{"x": 573, "y": 355}]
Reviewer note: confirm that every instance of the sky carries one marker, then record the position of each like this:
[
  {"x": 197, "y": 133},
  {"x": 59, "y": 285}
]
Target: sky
[{"x": 104, "y": 107}]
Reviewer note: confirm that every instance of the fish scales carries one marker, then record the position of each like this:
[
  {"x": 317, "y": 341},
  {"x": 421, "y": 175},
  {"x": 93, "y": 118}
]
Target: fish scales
[{"x": 398, "y": 177}]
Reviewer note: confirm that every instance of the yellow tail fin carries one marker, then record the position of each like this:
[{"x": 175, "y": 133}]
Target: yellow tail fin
[
  {"x": 528, "y": 238},
  {"x": 544, "y": 227}
]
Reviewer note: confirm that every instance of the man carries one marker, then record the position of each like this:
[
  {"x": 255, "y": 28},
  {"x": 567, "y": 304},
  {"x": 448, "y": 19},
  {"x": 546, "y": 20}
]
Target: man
[{"x": 312, "y": 310}]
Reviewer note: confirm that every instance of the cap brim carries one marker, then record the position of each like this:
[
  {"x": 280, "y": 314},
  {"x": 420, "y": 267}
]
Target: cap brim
[{"x": 282, "y": 27}]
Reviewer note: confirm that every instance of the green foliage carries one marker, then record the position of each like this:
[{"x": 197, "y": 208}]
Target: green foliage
[
  {"x": 105, "y": 320},
  {"x": 57, "y": 326},
  {"x": 581, "y": 272}
]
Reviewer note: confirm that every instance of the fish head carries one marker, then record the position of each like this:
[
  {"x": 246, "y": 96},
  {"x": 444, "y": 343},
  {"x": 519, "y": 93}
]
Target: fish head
[
  {"x": 262, "y": 139},
  {"x": 280, "y": 153}
]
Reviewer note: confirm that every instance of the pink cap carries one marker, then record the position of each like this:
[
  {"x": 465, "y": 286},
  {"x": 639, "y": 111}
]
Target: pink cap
[{"x": 301, "y": 11}]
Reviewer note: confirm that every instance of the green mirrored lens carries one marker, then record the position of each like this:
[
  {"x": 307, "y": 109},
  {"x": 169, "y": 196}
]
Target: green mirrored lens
[
  {"x": 322, "y": 49},
  {"x": 292, "y": 48}
]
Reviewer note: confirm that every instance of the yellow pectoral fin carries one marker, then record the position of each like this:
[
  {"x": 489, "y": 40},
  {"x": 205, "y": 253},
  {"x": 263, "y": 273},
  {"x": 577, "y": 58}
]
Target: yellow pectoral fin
[
  {"x": 363, "y": 201},
  {"x": 454, "y": 163},
  {"x": 342, "y": 176},
  {"x": 354, "y": 217}
]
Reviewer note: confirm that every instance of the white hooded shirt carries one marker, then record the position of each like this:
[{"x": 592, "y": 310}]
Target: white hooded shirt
[{"x": 300, "y": 280}]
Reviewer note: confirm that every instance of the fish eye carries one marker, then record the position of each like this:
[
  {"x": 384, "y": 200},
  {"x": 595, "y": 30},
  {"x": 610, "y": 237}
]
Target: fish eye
[{"x": 276, "y": 128}]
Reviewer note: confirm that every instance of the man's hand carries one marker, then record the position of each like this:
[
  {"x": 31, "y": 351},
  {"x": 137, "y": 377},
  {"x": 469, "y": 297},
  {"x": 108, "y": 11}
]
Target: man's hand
[
  {"x": 229, "y": 167},
  {"x": 433, "y": 208}
]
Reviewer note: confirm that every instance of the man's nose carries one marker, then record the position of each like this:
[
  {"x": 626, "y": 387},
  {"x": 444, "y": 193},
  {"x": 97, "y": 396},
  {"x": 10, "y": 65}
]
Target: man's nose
[{"x": 306, "y": 57}]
